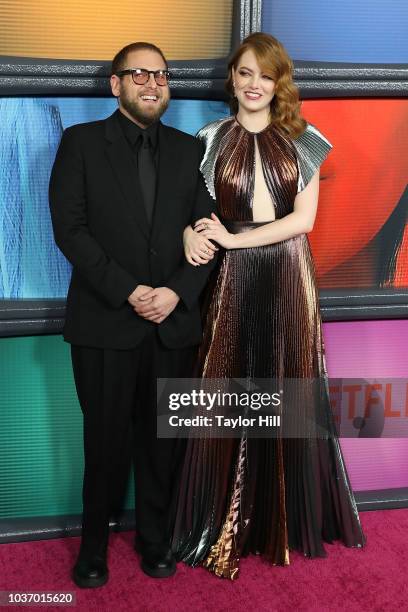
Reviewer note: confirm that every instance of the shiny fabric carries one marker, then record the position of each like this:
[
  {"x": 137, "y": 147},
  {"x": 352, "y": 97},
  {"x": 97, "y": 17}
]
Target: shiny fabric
[{"x": 266, "y": 496}]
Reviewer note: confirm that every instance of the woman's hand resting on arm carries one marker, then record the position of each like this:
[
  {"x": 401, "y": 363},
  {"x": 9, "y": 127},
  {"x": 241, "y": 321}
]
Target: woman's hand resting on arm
[
  {"x": 300, "y": 221},
  {"x": 213, "y": 229},
  {"x": 197, "y": 248}
]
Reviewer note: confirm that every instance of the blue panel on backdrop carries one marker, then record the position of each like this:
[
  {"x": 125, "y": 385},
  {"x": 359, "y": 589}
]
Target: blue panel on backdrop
[
  {"x": 31, "y": 266},
  {"x": 370, "y": 31}
]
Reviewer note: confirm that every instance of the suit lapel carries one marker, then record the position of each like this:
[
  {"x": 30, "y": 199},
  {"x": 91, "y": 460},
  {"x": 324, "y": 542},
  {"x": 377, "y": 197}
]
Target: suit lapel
[
  {"x": 167, "y": 179},
  {"x": 119, "y": 156}
]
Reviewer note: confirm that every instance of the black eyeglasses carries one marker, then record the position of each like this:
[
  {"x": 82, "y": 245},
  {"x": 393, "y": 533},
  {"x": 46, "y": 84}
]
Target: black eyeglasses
[{"x": 141, "y": 76}]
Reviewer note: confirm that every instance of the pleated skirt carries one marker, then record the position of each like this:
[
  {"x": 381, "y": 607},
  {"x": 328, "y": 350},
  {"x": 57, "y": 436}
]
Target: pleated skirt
[{"x": 266, "y": 496}]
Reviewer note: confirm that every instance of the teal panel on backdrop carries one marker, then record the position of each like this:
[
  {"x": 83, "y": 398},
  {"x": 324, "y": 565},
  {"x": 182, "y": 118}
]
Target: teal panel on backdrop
[{"x": 41, "y": 457}]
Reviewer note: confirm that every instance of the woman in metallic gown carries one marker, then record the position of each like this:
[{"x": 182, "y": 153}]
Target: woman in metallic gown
[{"x": 268, "y": 495}]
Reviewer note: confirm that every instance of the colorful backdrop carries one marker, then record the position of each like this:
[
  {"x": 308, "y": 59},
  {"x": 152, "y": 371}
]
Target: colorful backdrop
[
  {"x": 96, "y": 29},
  {"x": 360, "y": 238}
]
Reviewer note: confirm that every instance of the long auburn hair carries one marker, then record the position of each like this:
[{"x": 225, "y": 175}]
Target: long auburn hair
[{"x": 274, "y": 61}]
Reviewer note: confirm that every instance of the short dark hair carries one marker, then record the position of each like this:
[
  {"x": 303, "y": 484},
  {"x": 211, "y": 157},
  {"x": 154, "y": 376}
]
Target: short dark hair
[{"x": 119, "y": 61}]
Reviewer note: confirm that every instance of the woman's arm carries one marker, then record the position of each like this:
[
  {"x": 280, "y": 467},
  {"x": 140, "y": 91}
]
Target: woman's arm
[
  {"x": 300, "y": 221},
  {"x": 197, "y": 249}
]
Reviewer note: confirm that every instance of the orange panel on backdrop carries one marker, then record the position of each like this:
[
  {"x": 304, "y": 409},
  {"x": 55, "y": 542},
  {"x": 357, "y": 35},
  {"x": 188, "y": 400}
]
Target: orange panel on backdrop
[
  {"x": 97, "y": 29},
  {"x": 363, "y": 180}
]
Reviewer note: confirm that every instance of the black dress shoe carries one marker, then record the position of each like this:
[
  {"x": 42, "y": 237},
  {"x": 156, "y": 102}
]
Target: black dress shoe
[
  {"x": 157, "y": 560},
  {"x": 90, "y": 573}
]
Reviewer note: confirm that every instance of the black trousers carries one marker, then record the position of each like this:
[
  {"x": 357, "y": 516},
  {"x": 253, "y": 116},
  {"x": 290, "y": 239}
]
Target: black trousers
[{"x": 117, "y": 394}]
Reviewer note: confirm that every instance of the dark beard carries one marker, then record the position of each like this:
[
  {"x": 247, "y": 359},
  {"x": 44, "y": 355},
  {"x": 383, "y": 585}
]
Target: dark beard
[{"x": 145, "y": 118}]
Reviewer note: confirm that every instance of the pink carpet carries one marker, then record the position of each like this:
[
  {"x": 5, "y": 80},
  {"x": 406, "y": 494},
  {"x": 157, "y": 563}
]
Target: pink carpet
[{"x": 371, "y": 579}]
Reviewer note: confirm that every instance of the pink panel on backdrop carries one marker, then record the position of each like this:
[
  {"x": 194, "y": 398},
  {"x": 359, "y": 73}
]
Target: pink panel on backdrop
[{"x": 371, "y": 349}]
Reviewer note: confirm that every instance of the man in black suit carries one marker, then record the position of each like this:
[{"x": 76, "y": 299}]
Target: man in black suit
[{"x": 121, "y": 192}]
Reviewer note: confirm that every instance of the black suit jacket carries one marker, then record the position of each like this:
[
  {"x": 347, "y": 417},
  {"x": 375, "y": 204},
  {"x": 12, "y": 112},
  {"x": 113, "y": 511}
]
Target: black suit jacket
[{"x": 100, "y": 225}]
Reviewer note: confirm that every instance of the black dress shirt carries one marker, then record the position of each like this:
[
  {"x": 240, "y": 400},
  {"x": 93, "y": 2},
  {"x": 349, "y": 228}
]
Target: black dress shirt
[{"x": 133, "y": 134}]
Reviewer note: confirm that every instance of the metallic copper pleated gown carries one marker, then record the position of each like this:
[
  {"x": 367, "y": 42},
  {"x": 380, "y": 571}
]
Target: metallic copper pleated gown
[{"x": 268, "y": 495}]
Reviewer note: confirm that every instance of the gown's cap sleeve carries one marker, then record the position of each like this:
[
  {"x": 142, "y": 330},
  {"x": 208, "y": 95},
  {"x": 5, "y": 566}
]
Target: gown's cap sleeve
[
  {"x": 312, "y": 149},
  {"x": 211, "y": 136}
]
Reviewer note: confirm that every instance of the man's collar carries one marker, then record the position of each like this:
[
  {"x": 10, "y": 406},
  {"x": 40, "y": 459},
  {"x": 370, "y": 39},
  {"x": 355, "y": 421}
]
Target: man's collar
[{"x": 133, "y": 132}]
